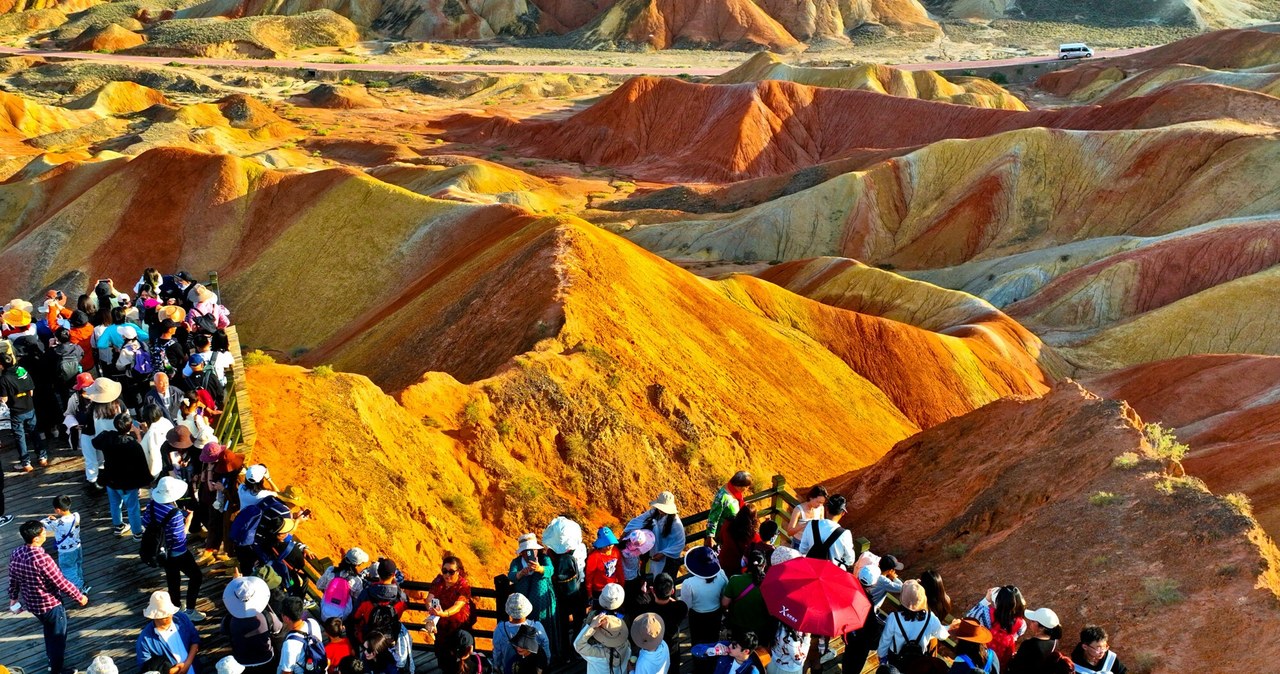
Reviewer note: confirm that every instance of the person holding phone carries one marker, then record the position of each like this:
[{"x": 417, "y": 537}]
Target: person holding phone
[{"x": 531, "y": 574}]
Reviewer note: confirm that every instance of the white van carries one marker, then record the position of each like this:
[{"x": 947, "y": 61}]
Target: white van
[{"x": 1075, "y": 50}]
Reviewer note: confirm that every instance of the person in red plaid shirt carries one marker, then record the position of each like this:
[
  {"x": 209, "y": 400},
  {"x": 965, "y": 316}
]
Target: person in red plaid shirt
[{"x": 34, "y": 585}]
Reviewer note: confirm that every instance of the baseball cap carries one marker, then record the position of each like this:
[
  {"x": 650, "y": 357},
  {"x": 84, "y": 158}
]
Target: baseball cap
[{"x": 890, "y": 562}]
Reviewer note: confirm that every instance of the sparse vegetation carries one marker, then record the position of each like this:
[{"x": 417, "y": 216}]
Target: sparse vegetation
[
  {"x": 1126, "y": 461},
  {"x": 464, "y": 507},
  {"x": 688, "y": 452},
  {"x": 1240, "y": 502},
  {"x": 1164, "y": 444},
  {"x": 955, "y": 550},
  {"x": 482, "y": 549},
  {"x": 472, "y": 414},
  {"x": 430, "y": 422},
  {"x": 575, "y": 449},
  {"x": 378, "y": 84},
  {"x": 257, "y": 357},
  {"x": 322, "y": 371},
  {"x": 1103, "y": 498},
  {"x": 599, "y": 355},
  {"x": 1162, "y": 591},
  {"x": 613, "y": 380},
  {"x": 998, "y": 78},
  {"x": 504, "y": 427},
  {"x": 298, "y": 352},
  {"x": 1145, "y": 663},
  {"x": 1167, "y": 484}
]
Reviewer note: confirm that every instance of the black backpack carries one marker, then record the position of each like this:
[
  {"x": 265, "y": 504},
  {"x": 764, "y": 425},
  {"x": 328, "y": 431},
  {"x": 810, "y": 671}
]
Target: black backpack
[
  {"x": 383, "y": 619},
  {"x": 314, "y": 658},
  {"x": 822, "y": 549},
  {"x": 911, "y": 651},
  {"x": 152, "y": 549},
  {"x": 68, "y": 367}
]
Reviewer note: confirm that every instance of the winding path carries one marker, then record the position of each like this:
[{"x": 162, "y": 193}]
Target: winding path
[{"x": 292, "y": 64}]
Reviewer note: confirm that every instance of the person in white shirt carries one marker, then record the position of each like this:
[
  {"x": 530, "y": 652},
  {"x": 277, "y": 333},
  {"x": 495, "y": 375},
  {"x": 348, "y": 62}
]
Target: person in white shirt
[
  {"x": 64, "y": 526},
  {"x": 913, "y": 623},
  {"x": 805, "y": 512},
  {"x": 604, "y": 644},
  {"x": 153, "y": 439},
  {"x": 254, "y": 488},
  {"x": 654, "y": 656},
  {"x": 702, "y": 594},
  {"x": 300, "y": 629},
  {"x": 828, "y": 533}
]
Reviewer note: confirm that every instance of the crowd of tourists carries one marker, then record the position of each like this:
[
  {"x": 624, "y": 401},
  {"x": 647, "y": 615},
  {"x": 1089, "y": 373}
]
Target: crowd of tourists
[{"x": 138, "y": 383}]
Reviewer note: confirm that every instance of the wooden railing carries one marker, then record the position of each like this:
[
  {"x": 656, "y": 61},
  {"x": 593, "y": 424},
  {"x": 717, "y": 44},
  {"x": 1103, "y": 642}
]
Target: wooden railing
[{"x": 235, "y": 430}]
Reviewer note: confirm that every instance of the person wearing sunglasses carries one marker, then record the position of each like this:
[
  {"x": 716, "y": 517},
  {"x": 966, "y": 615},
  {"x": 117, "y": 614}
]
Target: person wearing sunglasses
[{"x": 449, "y": 600}]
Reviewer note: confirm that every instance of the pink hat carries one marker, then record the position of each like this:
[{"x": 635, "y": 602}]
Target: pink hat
[{"x": 211, "y": 452}]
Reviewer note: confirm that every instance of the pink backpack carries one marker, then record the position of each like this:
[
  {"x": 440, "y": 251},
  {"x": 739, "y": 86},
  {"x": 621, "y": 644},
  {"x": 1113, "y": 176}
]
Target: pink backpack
[{"x": 336, "y": 602}]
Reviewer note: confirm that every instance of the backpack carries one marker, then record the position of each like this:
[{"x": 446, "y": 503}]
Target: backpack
[
  {"x": 160, "y": 356},
  {"x": 152, "y": 548},
  {"x": 268, "y": 574},
  {"x": 314, "y": 659},
  {"x": 911, "y": 651},
  {"x": 822, "y": 549},
  {"x": 383, "y": 619},
  {"x": 336, "y": 602},
  {"x": 68, "y": 368},
  {"x": 245, "y": 526},
  {"x": 142, "y": 366}
]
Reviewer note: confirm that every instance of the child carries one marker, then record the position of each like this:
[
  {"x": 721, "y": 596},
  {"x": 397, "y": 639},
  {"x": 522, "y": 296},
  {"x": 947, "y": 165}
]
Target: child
[
  {"x": 338, "y": 646},
  {"x": 604, "y": 564},
  {"x": 64, "y": 526},
  {"x": 741, "y": 658}
]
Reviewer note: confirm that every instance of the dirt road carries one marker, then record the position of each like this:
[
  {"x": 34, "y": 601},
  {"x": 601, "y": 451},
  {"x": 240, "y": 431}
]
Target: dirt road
[{"x": 481, "y": 67}]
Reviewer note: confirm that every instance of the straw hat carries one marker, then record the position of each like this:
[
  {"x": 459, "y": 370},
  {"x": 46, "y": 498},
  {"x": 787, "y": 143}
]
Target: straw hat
[
  {"x": 518, "y": 606},
  {"x": 611, "y": 633},
  {"x": 169, "y": 489},
  {"x": 203, "y": 294},
  {"x": 19, "y": 303},
  {"x": 288, "y": 526},
  {"x": 161, "y": 605},
  {"x": 647, "y": 631},
  {"x": 104, "y": 390},
  {"x": 246, "y": 596},
  {"x": 969, "y": 629},
  {"x": 666, "y": 502},
  {"x": 17, "y": 318},
  {"x": 292, "y": 495},
  {"x": 178, "y": 437},
  {"x": 528, "y": 542},
  {"x": 612, "y": 596},
  {"x": 171, "y": 312}
]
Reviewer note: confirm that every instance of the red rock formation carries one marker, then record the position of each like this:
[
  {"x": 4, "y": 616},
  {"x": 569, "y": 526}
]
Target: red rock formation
[{"x": 737, "y": 132}]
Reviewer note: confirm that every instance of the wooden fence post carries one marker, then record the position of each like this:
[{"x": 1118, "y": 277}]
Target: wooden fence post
[
  {"x": 777, "y": 502},
  {"x": 212, "y": 284}
]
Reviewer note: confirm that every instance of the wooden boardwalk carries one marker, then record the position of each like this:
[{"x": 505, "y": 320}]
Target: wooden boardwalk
[{"x": 120, "y": 585}]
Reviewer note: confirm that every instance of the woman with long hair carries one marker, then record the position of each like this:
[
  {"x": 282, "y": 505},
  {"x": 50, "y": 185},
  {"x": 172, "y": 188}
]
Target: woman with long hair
[
  {"x": 939, "y": 600},
  {"x": 742, "y": 533},
  {"x": 744, "y": 601},
  {"x": 1001, "y": 612}
]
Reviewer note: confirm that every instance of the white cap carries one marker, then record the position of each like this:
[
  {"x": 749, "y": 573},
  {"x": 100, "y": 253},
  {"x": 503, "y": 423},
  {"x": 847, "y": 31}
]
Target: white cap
[
  {"x": 256, "y": 473},
  {"x": 1045, "y": 616},
  {"x": 103, "y": 665},
  {"x": 229, "y": 665}
]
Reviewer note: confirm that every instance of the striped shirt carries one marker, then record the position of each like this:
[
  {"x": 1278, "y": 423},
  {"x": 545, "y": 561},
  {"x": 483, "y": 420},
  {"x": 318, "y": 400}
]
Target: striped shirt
[
  {"x": 175, "y": 532},
  {"x": 35, "y": 580}
]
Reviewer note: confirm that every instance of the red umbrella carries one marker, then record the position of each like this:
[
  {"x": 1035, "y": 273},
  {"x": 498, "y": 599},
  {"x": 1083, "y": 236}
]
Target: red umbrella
[{"x": 815, "y": 596}]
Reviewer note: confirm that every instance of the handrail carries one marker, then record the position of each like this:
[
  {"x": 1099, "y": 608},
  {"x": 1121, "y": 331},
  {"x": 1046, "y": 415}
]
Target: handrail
[{"x": 235, "y": 431}]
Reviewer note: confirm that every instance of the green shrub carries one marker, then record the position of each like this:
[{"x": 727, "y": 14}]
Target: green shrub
[
  {"x": 1144, "y": 663},
  {"x": 379, "y": 84},
  {"x": 1126, "y": 461},
  {"x": 1240, "y": 502},
  {"x": 999, "y": 78},
  {"x": 688, "y": 452},
  {"x": 575, "y": 449},
  {"x": 1164, "y": 444},
  {"x": 1162, "y": 591},
  {"x": 471, "y": 414},
  {"x": 613, "y": 380},
  {"x": 257, "y": 357},
  {"x": 504, "y": 427},
  {"x": 322, "y": 371},
  {"x": 955, "y": 550},
  {"x": 430, "y": 422},
  {"x": 464, "y": 507},
  {"x": 1103, "y": 498},
  {"x": 482, "y": 549}
]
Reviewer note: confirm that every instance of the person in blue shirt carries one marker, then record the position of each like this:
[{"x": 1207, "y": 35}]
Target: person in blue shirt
[{"x": 170, "y": 636}]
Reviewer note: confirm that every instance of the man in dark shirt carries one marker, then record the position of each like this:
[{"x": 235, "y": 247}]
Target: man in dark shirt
[
  {"x": 671, "y": 610},
  {"x": 17, "y": 391}
]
